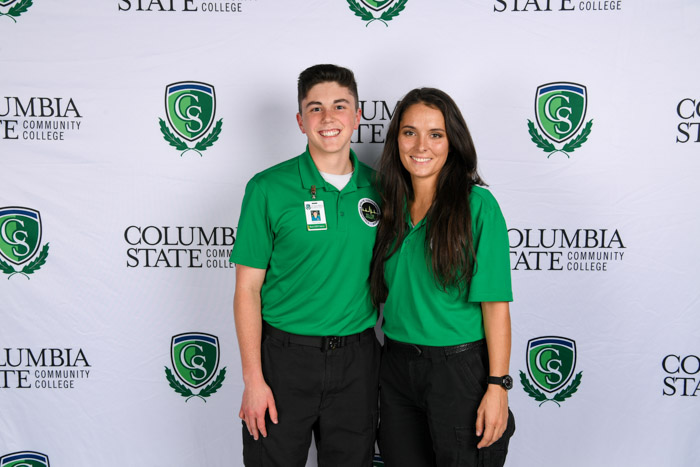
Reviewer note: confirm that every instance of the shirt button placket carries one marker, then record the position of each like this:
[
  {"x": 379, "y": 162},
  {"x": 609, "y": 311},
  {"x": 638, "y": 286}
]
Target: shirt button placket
[{"x": 341, "y": 213}]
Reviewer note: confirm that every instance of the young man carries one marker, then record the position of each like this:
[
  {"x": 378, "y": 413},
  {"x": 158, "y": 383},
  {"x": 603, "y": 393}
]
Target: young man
[{"x": 303, "y": 313}]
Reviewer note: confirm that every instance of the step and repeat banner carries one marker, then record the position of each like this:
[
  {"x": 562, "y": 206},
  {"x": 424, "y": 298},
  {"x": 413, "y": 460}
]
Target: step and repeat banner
[{"x": 129, "y": 128}]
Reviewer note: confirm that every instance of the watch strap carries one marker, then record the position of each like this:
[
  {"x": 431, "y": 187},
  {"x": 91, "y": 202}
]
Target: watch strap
[{"x": 505, "y": 381}]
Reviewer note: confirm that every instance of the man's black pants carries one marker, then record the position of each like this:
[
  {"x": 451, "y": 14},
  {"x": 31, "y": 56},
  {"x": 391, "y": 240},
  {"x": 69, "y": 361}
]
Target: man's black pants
[{"x": 332, "y": 392}]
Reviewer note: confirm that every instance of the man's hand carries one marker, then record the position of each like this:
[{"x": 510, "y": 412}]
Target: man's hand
[
  {"x": 257, "y": 399},
  {"x": 257, "y": 395}
]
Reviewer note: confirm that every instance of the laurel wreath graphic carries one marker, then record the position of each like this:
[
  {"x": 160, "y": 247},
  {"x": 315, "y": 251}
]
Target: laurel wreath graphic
[
  {"x": 171, "y": 138},
  {"x": 580, "y": 139},
  {"x": 180, "y": 145},
  {"x": 538, "y": 139},
  {"x": 6, "y": 268},
  {"x": 547, "y": 146},
  {"x": 35, "y": 265},
  {"x": 366, "y": 15},
  {"x": 561, "y": 396},
  {"x": 210, "y": 139},
  {"x": 18, "y": 9},
  {"x": 360, "y": 11},
  {"x": 184, "y": 391}
]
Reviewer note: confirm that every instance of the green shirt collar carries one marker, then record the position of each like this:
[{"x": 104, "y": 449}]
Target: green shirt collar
[{"x": 361, "y": 176}]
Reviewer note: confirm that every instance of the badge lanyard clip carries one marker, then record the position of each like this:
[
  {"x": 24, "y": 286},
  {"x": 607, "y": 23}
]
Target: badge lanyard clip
[{"x": 313, "y": 191}]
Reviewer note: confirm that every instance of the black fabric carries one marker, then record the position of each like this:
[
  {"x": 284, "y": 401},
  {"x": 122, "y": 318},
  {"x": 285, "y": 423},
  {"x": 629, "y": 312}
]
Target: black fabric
[
  {"x": 332, "y": 393},
  {"x": 428, "y": 409},
  {"x": 429, "y": 351},
  {"x": 320, "y": 342}
]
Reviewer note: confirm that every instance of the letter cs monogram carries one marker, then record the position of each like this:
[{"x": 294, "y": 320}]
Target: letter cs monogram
[
  {"x": 15, "y": 241},
  {"x": 194, "y": 363},
  {"x": 552, "y": 367},
  {"x": 189, "y": 116},
  {"x": 559, "y": 117}
]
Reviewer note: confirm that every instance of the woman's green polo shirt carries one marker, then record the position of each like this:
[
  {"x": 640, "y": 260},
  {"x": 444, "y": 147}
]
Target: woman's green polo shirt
[
  {"x": 317, "y": 281},
  {"x": 418, "y": 311}
]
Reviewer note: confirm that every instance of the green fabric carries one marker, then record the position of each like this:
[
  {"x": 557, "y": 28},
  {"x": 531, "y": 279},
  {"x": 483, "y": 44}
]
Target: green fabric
[
  {"x": 418, "y": 311},
  {"x": 317, "y": 282}
]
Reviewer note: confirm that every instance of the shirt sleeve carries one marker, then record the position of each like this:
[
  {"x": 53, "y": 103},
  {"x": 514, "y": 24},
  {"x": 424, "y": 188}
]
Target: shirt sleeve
[
  {"x": 253, "y": 246},
  {"x": 491, "y": 281}
]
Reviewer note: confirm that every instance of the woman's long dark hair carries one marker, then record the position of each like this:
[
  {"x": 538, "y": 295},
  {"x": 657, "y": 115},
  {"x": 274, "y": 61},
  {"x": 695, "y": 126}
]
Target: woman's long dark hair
[{"x": 448, "y": 240}]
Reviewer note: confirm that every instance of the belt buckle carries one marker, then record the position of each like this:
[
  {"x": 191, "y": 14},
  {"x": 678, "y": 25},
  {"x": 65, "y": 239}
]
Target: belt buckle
[{"x": 331, "y": 343}]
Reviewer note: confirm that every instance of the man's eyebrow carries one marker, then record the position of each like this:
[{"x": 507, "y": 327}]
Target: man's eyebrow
[
  {"x": 312, "y": 103},
  {"x": 337, "y": 101}
]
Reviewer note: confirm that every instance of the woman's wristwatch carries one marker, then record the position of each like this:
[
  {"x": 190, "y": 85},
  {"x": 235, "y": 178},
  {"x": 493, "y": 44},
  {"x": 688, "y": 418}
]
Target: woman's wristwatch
[{"x": 504, "y": 381}]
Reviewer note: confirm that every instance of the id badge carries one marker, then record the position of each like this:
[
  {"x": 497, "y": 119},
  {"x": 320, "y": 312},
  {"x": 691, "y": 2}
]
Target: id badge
[{"x": 315, "y": 215}]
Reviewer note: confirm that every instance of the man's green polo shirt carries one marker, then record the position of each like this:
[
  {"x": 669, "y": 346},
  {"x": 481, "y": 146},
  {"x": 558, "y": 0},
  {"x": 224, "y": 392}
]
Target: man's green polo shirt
[
  {"x": 418, "y": 311},
  {"x": 317, "y": 281}
]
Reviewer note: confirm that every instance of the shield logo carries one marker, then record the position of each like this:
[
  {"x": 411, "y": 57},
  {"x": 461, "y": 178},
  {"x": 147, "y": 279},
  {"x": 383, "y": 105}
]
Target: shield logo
[
  {"x": 551, "y": 361},
  {"x": 195, "y": 357},
  {"x": 4, "y": 3},
  {"x": 190, "y": 107},
  {"x": 560, "y": 109},
  {"x": 25, "y": 459},
  {"x": 20, "y": 234},
  {"x": 377, "y": 5}
]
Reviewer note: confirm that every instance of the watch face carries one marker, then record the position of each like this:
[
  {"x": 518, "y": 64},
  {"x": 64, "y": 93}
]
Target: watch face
[{"x": 507, "y": 382}]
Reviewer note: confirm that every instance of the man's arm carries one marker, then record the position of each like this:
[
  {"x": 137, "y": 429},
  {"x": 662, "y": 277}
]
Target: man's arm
[
  {"x": 257, "y": 395},
  {"x": 492, "y": 415}
]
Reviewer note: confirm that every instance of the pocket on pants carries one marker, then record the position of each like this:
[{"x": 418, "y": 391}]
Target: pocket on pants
[
  {"x": 495, "y": 455},
  {"x": 466, "y": 447},
  {"x": 473, "y": 366}
]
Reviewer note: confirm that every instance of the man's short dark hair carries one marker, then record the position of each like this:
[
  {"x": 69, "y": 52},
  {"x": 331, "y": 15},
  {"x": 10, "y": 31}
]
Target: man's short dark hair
[{"x": 324, "y": 74}]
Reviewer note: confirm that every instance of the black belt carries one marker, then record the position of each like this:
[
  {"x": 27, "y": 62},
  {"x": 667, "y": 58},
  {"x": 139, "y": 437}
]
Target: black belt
[
  {"x": 429, "y": 351},
  {"x": 320, "y": 342}
]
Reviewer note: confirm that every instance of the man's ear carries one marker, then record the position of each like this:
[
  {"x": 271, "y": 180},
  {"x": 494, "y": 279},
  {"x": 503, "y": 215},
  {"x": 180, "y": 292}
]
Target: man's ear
[{"x": 301, "y": 123}]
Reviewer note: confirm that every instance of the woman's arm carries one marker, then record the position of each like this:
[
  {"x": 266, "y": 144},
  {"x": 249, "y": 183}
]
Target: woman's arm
[{"x": 492, "y": 415}]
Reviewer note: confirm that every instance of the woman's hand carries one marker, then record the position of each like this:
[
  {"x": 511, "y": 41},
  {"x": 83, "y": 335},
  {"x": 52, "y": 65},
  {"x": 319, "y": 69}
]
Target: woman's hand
[{"x": 492, "y": 415}]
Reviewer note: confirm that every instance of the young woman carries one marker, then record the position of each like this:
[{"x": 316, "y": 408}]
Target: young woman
[{"x": 441, "y": 265}]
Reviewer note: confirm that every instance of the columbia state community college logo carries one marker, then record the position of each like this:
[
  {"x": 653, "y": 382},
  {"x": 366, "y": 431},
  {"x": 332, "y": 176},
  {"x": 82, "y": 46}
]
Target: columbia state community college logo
[
  {"x": 25, "y": 459},
  {"x": 20, "y": 241},
  {"x": 560, "y": 111},
  {"x": 34, "y": 118},
  {"x": 186, "y": 7},
  {"x": 16, "y": 8},
  {"x": 551, "y": 362},
  {"x": 386, "y": 9},
  {"x": 43, "y": 368},
  {"x": 190, "y": 107},
  {"x": 195, "y": 359}
]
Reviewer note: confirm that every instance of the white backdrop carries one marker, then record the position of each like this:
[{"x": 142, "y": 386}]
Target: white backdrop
[{"x": 101, "y": 311}]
